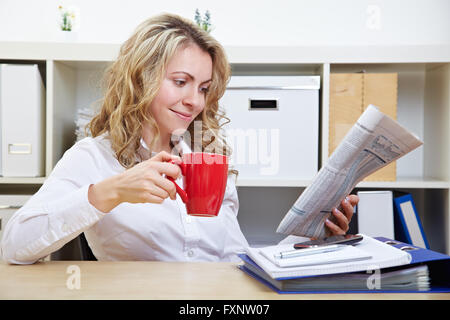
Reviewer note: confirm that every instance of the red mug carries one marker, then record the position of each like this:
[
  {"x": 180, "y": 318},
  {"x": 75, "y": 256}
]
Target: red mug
[{"x": 205, "y": 180}]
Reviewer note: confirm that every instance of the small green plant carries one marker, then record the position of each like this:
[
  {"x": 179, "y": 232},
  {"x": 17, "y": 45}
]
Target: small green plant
[
  {"x": 203, "y": 22},
  {"x": 67, "y": 16}
]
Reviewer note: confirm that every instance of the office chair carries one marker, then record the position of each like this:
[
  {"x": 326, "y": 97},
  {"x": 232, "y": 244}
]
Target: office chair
[
  {"x": 85, "y": 250},
  {"x": 76, "y": 249}
]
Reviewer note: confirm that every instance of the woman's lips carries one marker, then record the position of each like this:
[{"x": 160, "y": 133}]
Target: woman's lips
[{"x": 182, "y": 115}]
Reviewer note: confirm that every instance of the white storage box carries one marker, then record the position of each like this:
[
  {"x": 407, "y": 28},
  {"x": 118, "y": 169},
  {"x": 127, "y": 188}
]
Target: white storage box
[
  {"x": 376, "y": 213},
  {"x": 22, "y": 105},
  {"x": 274, "y": 128}
]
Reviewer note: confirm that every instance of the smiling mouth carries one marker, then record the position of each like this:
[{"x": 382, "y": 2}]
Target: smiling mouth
[{"x": 182, "y": 115}]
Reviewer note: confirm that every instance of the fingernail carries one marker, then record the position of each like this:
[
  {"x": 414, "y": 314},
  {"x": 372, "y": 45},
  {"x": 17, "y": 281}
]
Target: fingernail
[
  {"x": 346, "y": 199},
  {"x": 327, "y": 221}
]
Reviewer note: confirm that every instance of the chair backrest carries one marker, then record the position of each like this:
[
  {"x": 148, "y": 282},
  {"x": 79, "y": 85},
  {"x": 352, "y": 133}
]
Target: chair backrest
[{"x": 85, "y": 250}]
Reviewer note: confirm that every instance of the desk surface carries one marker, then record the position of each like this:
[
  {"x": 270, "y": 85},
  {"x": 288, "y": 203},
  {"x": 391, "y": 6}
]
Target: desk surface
[{"x": 151, "y": 280}]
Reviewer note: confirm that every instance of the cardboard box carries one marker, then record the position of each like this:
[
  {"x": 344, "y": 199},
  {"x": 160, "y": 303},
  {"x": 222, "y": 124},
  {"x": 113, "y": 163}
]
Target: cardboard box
[{"x": 350, "y": 94}]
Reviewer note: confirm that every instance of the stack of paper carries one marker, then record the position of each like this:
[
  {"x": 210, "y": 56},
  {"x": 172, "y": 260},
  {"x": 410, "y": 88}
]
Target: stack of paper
[
  {"x": 368, "y": 263},
  {"x": 84, "y": 116},
  {"x": 414, "y": 278}
]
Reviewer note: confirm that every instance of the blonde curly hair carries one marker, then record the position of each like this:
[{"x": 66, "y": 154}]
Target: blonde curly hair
[{"x": 134, "y": 78}]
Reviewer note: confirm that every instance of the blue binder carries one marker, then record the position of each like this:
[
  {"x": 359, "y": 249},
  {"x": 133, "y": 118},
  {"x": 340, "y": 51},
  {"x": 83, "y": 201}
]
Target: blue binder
[
  {"x": 438, "y": 265},
  {"x": 402, "y": 231}
]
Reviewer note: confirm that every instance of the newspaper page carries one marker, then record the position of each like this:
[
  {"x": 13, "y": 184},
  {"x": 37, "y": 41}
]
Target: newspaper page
[{"x": 374, "y": 141}]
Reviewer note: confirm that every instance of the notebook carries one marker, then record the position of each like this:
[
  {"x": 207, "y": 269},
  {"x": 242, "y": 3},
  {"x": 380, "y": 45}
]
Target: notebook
[{"x": 381, "y": 255}]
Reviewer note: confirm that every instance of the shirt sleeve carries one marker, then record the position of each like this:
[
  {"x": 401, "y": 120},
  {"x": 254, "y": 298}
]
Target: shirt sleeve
[{"x": 57, "y": 213}]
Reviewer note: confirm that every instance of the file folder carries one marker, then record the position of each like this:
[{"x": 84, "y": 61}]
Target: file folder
[
  {"x": 438, "y": 265},
  {"x": 22, "y": 120},
  {"x": 408, "y": 227}
]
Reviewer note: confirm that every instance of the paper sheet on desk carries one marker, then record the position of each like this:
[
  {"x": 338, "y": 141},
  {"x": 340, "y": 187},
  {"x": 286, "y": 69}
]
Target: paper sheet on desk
[
  {"x": 373, "y": 142},
  {"x": 346, "y": 254}
]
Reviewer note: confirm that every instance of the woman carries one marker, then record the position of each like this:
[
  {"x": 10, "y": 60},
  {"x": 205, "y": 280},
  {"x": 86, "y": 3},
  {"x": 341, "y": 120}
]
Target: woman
[{"x": 114, "y": 186}]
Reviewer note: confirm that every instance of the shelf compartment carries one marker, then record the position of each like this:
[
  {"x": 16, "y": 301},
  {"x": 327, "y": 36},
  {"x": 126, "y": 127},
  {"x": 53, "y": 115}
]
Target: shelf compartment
[
  {"x": 423, "y": 108},
  {"x": 75, "y": 85}
]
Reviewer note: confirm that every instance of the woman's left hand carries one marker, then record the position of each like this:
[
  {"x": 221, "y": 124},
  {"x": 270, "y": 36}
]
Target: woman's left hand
[{"x": 343, "y": 218}]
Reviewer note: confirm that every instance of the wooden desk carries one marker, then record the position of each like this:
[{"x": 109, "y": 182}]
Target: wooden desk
[{"x": 151, "y": 280}]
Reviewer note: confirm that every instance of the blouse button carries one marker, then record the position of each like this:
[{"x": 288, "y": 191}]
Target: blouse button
[{"x": 190, "y": 253}]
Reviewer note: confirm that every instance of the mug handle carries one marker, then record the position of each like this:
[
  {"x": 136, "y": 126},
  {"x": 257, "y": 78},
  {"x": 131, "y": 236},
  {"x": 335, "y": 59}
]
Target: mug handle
[{"x": 180, "y": 191}]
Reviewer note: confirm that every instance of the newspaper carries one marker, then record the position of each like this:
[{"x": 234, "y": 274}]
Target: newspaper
[{"x": 374, "y": 141}]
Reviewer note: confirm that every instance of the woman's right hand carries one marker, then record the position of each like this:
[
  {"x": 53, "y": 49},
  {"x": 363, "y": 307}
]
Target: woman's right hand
[{"x": 140, "y": 184}]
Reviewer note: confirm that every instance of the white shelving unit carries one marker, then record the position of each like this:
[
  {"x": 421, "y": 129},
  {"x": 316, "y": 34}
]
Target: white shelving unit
[{"x": 73, "y": 72}]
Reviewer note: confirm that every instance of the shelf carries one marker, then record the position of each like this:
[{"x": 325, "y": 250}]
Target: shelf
[
  {"x": 242, "y": 54},
  {"x": 271, "y": 183},
  {"x": 339, "y": 54},
  {"x": 400, "y": 184},
  {"x": 58, "y": 51},
  {"x": 22, "y": 180},
  {"x": 403, "y": 183}
]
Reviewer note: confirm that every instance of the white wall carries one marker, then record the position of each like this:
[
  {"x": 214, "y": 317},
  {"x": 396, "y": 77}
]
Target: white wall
[{"x": 243, "y": 22}]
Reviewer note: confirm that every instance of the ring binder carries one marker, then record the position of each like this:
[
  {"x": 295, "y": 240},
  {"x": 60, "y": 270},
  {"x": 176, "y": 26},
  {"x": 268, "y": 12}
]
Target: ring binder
[
  {"x": 408, "y": 248},
  {"x": 408, "y": 226},
  {"x": 437, "y": 266},
  {"x": 391, "y": 242}
]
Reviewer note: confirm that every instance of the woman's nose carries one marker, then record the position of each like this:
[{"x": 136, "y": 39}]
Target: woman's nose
[{"x": 193, "y": 98}]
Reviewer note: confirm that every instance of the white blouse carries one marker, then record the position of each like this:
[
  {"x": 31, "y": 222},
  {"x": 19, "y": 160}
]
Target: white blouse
[{"x": 60, "y": 211}]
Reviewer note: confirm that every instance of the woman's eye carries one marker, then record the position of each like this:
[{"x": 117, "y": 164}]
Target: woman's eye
[
  {"x": 204, "y": 90},
  {"x": 179, "y": 82}
]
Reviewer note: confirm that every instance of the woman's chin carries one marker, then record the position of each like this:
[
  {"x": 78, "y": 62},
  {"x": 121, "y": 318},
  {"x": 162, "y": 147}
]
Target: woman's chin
[{"x": 179, "y": 131}]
